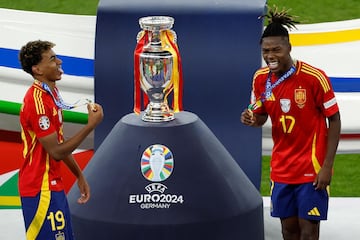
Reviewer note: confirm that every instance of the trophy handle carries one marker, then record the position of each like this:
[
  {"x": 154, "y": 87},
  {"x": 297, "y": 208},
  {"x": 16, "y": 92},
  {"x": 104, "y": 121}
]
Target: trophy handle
[
  {"x": 174, "y": 35},
  {"x": 139, "y": 36}
]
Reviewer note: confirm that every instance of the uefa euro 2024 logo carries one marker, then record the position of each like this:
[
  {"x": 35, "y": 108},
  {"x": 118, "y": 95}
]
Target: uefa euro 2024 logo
[{"x": 157, "y": 164}]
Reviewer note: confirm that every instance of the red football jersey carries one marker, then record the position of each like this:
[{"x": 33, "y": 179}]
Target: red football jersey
[
  {"x": 39, "y": 117},
  {"x": 298, "y": 108}
]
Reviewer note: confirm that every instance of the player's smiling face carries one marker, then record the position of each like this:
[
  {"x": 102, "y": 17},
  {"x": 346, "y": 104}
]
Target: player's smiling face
[
  {"x": 49, "y": 68},
  {"x": 276, "y": 54}
]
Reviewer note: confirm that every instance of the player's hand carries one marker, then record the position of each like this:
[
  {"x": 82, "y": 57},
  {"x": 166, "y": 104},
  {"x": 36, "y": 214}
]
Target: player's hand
[
  {"x": 84, "y": 190},
  {"x": 323, "y": 179},
  {"x": 95, "y": 114},
  {"x": 247, "y": 117}
]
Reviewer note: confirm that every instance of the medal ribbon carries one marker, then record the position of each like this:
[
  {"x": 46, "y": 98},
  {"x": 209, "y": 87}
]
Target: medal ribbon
[
  {"x": 177, "y": 78},
  {"x": 137, "y": 89},
  {"x": 269, "y": 87},
  {"x": 59, "y": 100}
]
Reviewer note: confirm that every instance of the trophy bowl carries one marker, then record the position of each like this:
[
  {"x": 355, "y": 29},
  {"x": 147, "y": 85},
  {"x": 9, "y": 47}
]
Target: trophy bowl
[{"x": 156, "y": 70}]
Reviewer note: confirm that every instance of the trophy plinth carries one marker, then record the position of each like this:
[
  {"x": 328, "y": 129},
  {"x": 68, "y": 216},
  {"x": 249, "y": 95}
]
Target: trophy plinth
[{"x": 169, "y": 191}]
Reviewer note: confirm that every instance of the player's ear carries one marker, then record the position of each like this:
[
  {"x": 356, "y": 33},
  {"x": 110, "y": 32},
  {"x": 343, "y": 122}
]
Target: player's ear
[{"x": 36, "y": 70}]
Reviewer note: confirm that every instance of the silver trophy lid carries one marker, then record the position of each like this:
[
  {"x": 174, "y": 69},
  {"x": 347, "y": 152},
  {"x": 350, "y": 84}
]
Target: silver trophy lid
[{"x": 156, "y": 23}]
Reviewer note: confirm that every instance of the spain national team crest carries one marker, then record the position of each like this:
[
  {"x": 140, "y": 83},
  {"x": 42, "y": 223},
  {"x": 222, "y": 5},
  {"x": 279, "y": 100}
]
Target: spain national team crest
[
  {"x": 300, "y": 97},
  {"x": 157, "y": 163}
]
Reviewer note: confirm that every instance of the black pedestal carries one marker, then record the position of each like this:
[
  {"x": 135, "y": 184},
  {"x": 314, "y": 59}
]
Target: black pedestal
[{"x": 199, "y": 193}]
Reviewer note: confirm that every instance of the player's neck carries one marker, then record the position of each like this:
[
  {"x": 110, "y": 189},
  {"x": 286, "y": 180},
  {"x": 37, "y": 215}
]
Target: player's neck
[
  {"x": 286, "y": 68},
  {"x": 51, "y": 84}
]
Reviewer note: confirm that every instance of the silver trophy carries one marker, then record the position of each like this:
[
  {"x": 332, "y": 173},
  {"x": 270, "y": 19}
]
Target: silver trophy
[{"x": 156, "y": 67}]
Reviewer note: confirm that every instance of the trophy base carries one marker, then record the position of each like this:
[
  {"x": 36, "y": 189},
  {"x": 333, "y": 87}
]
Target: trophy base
[
  {"x": 158, "y": 112},
  {"x": 157, "y": 116}
]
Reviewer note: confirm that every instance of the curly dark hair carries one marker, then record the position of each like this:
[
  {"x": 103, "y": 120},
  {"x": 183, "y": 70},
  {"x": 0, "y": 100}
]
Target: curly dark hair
[
  {"x": 278, "y": 21},
  {"x": 31, "y": 54}
]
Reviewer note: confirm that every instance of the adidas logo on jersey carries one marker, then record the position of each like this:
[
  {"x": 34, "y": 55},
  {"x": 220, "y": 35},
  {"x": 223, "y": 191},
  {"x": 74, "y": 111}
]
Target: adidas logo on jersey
[{"x": 314, "y": 212}]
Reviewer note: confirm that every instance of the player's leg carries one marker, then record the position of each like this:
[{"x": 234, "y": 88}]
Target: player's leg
[
  {"x": 313, "y": 207},
  {"x": 309, "y": 229},
  {"x": 28, "y": 207},
  {"x": 290, "y": 228},
  {"x": 47, "y": 216},
  {"x": 58, "y": 218},
  {"x": 283, "y": 206}
]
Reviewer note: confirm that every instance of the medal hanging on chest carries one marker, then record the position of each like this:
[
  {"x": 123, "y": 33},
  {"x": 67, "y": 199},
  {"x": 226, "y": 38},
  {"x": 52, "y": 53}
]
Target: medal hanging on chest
[{"x": 269, "y": 88}]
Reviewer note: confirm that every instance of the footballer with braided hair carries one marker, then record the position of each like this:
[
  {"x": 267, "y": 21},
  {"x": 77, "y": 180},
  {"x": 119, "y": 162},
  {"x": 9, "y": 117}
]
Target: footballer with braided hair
[{"x": 300, "y": 102}]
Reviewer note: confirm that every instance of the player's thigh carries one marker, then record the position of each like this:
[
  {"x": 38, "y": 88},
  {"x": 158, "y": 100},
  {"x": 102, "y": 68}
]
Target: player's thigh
[
  {"x": 313, "y": 204},
  {"x": 283, "y": 204},
  {"x": 309, "y": 229}
]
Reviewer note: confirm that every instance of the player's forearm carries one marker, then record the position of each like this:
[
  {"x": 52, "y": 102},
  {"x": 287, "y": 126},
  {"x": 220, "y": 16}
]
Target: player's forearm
[
  {"x": 72, "y": 165},
  {"x": 67, "y": 147},
  {"x": 333, "y": 139},
  {"x": 259, "y": 120}
]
